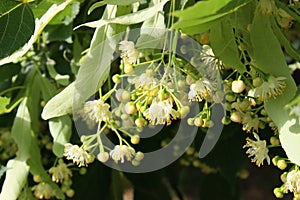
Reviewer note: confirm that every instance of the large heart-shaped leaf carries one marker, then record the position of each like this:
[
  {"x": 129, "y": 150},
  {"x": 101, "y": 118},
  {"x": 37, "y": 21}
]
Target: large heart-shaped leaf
[
  {"x": 17, "y": 27},
  {"x": 269, "y": 58}
]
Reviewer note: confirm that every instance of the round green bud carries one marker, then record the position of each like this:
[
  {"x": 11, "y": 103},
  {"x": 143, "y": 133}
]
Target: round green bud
[
  {"x": 274, "y": 141},
  {"x": 278, "y": 193},
  {"x": 208, "y": 123},
  {"x": 67, "y": 182},
  {"x": 135, "y": 162},
  {"x": 198, "y": 121},
  {"x": 128, "y": 68},
  {"x": 190, "y": 121},
  {"x": 116, "y": 78},
  {"x": 70, "y": 193},
  {"x": 43, "y": 103},
  {"x": 139, "y": 156},
  {"x": 236, "y": 117},
  {"x": 275, "y": 160},
  {"x": 37, "y": 178},
  {"x": 257, "y": 82},
  {"x": 130, "y": 108},
  {"x": 82, "y": 171},
  {"x": 126, "y": 96},
  {"x": 135, "y": 139},
  {"x": 283, "y": 177},
  {"x": 140, "y": 122},
  {"x": 226, "y": 120},
  {"x": 281, "y": 164},
  {"x": 124, "y": 116},
  {"x": 184, "y": 111}
]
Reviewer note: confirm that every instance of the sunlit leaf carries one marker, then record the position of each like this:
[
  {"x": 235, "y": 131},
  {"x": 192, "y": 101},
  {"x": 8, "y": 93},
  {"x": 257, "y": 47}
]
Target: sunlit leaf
[
  {"x": 4, "y": 101},
  {"x": 95, "y": 67},
  {"x": 132, "y": 18},
  {"x": 17, "y": 27},
  {"x": 16, "y": 177},
  {"x": 152, "y": 29},
  {"x": 60, "y": 129},
  {"x": 61, "y": 104},
  {"x": 22, "y": 138},
  {"x": 111, "y": 2}
]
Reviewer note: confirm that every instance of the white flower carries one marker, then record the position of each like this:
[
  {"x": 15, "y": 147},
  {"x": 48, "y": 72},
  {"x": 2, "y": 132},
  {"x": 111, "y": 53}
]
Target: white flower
[
  {"x": 97, "y": 111},
  {"x": 144, "y": 81},
  {"x": 160, "y": 112},
  {"x": 272, "y": 88},
  {"x": 60, "y": 172},
  {"x": 43, "y": 191},
  {"x": 200, "y": 90},
  {"x": 129, "y": 53},
  {"x": 79, "y": 156},
  {"x": 293, "y": 181},
  {"x": 122, "y": 152},
  {"x": 250, "y": 123},
  {"x": 258, "y": 150}
]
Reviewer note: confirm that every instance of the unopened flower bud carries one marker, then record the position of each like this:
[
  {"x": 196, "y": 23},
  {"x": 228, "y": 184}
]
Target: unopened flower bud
[
  {"x": 103, "y": 157},
  {"x": 116, "y": 78},
  {"x": 236, "y": 117},
  {"x": 238, "y": 86},
  {"x": 135, "y": 139}
]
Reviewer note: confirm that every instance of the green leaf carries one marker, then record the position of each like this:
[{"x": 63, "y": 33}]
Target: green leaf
[
  {"x": 132, "y": 18},
  {"x": 153, "y": 30},
  {"x": 60, "y": 129},
  {"x": 61, "y": 104},
  {"x": 9, "y": 70},
  {"x": 111, "y": 2},
  {"x": 60, "y": 79},
  {"x": 284, "y": 41},
  {"x": 16, "y": 177},
  {"x": 7, "y": 6},
  {"x": 203, "y": 12},
  {"x": 121, "y": 2},
  {"x": 270, "y": 59},
  {"x": 39, "y": 27},
  {"x": 4, "y": 101},
  {"x": 95, "y": 67},
  {"x": 21, "y": 131},
  {"x": 17, "y": 28},
  {"x": 59, "y": 32},
  {"x": 66, "y": 16},
  {"x": 48, "y": 90},
  {"x": 223, "y": 43}
]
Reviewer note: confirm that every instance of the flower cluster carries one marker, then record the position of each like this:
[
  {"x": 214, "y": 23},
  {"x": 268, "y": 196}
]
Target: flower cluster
[{"x": 152, "y": 90}]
